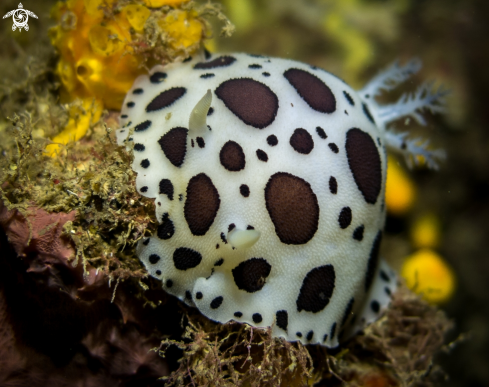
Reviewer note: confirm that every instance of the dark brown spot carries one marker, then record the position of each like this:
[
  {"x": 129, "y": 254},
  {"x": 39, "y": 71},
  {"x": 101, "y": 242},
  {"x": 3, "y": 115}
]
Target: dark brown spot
[
  {"x": 375, "y": 306},
  {"x": 251, "y": 101},
  {"x": 207, "y": 75},
  {"x": 254, "y": 66},
  {"x": 373, "y": 261},
  {"x": 384, "y": 276},
  {"x": 250, "y": 275},
  {"x": 139, "y": 147},
  {"x": 185, "y": 258},
  {"x": 221, "y": 61},
  {"x": 293, "y": 208},
  {"x": 165, "y": 99},
  {"x": 142, "y": 126},
  {"x": 174, "y": 145},
  {"x": 317, "y": 289},
  {"x": 145, "y": 163},
  {"x": 272, "y": 140},
  {"x": 138, "y": 91},
  {"x": 169, "y": 283},
  {"x": 216, "y": 302},
  {"x": 210, "y": 111},
  {"x": 365, "y": 165},
  {"x": 219, "y": 262},
  {"x": 244, "y": 190},
  {"x": 312, "y": 90},
  {"x": 333, "y": 185},
  {"x": 154, "y": 259},
  {"x": 262, "y": 156},
  {"x": 232, "y": 156},
  {"x": 333, "y": 147},
  {"x": 157, "y": 77},
  {"x": 344, "y": 219},
  {"x": 257, "y": 318},
  {"x": 367, "y": 113},
  {"x": 333, "y": 331},
  {"x": 166, "y": 188},
  {"x": 358, "y": 233},
  {"x": 302, "y": 141},
  {"x": 199, "y": 295},
  {"x": 238, "y": 314},
  {"x": 144, "y": 189},
  {"x": 282, "y": 319},
  {"x": 130, "y": 104},
  {"x": 201, "y": 205},
  {"x": 309, "y": 336},
  {"x": 321, "y": 133},
  {"x": 166, "y": 229},
  {"x": 349, "y": 98},
  {"x": 348, "y": 311},
  {"x": 200, "y": 142}
]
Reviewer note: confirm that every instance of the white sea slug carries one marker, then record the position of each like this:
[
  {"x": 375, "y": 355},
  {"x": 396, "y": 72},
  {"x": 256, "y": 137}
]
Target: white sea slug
[{"x": 268, "y": 177}]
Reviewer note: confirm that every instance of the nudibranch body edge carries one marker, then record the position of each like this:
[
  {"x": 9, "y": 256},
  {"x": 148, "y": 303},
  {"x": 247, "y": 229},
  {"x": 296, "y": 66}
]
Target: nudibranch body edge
[{"x": 268, "y": 177}]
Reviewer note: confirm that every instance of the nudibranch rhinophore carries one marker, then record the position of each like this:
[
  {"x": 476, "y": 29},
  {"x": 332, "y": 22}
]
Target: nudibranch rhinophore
[{"x": 268, "y": 177}]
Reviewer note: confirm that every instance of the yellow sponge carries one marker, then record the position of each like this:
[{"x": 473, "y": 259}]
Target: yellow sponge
[{"x": 428, "y": 274}]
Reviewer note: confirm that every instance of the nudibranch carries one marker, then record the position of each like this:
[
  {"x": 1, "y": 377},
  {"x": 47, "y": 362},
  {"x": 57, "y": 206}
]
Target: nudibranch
[{"x": 268, "y": 177}]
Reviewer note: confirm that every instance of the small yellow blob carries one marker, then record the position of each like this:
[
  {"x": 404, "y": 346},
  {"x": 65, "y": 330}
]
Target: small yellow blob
[
  {"x": 104, "y": 41},
  {"x": 400, "y": 191},
  {"x": 93, "y": 7},
  {"x": 183, "y": 29},
  {"x": 211, "y": 45},
  {"x": 137, "y": 15},
  {"x": 426, "y": 273},
  {"x": 161, "y": 3},
  {"x": 81, "y": 117},
  {"x": 425, "y": 231}
]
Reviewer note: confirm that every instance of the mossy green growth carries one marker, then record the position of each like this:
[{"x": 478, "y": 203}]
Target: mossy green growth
[
  {"x": 396, "y": 350},
  {"x": 94, "y": 179}
]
